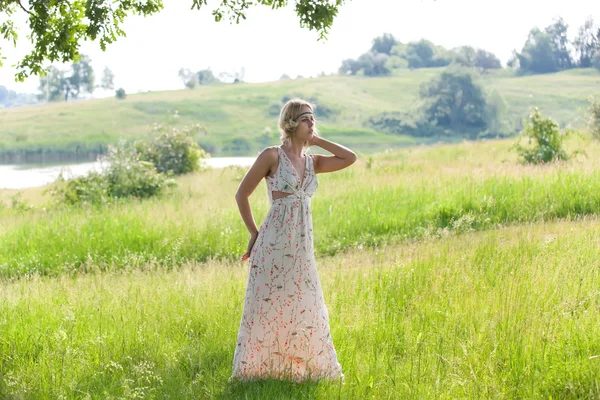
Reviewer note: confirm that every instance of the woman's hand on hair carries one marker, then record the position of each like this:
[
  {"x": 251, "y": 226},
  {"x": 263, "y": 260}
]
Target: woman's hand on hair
[{"x": 313, "y": 140}]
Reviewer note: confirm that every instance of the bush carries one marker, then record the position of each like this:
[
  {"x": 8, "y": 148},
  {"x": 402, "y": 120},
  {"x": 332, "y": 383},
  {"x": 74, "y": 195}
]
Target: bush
[
  {"x": 192, "y": 83},
  {"x": 414, "y": 123},
  {"x": 141, "y": 170},
  {"x": 389, "y": 122},
  {"x": 174, "y": 151},
  {"x": 124, "y": 176},
  {"x": 547, "y": 141},
  {"x": 91, "y": 189},
  {"x": 129, "y": 176},
  {"x": 120, "y": 93}
]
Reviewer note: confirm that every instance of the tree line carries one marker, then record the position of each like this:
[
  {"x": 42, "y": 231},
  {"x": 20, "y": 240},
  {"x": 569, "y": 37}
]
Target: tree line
[
  {"x": 387, "y": 54},
  {"x": 455, "y": 103},
  {"x": 191, "y": 79},
  {"x": 80, "y": 80},
  {"x": 547, "y": 50}
]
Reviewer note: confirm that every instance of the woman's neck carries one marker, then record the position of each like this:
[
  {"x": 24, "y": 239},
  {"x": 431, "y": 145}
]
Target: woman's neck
[{"x": 294, "y": 148}]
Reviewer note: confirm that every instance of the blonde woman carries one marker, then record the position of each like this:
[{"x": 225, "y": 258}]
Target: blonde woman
[{"x": 284, "y": 330}]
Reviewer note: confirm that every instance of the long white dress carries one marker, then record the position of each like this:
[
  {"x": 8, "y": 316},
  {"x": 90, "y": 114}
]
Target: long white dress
[{"x": 284, "y": 330}]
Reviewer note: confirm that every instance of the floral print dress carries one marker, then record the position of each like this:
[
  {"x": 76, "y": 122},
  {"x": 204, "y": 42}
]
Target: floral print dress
[{"x": 284, "y": 331}]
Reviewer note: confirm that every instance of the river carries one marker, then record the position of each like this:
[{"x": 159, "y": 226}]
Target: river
[{"x": 26, "y": 176}]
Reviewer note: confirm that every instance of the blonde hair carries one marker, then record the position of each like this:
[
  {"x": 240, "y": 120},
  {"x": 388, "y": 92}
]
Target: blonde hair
[{"x": 287, "y": 122}]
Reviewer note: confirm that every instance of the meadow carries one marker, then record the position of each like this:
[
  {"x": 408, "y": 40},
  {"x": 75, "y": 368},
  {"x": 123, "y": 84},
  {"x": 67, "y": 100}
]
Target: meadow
[
  {"x": 398, "y": 195},
  {"x": 449, "y": 271},
  {"x": 239, "y": 119}
]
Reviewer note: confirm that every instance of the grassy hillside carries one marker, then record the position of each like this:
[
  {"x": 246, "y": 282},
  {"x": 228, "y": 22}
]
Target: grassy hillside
[{"x": 242, "y": 115}]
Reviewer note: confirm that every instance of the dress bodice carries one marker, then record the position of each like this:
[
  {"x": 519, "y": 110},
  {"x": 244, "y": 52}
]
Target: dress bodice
[{"x": 286, "y": 178}]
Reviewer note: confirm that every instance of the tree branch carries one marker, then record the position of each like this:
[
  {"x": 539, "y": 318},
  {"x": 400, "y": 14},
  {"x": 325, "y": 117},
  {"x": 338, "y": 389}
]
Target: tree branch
[{"x": 24, "y": 9}]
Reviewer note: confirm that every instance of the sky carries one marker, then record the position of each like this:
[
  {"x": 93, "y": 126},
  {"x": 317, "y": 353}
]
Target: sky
[{"x": 270, "y": 43}]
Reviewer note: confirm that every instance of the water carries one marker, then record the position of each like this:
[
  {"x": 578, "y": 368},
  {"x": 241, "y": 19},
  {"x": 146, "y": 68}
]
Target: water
[{"x": 23, "y": 176}]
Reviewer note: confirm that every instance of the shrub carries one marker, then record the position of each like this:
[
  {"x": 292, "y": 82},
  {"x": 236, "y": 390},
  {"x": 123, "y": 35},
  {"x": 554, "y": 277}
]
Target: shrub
[
  {"x": 546, "y": 138},
  {"x": 123, "y": 176},
  {"x": 130, "y": 176},
  {"x": 91, "y": 189},
  {"x": 413, "y": 123},
  {"x": 174, "y": 151},
  {"x": 120, "y": 93},
  {"x": 389, "y": 122},
  {"x": 19, "y": 205},
  {"x": 140, "y": 170}
]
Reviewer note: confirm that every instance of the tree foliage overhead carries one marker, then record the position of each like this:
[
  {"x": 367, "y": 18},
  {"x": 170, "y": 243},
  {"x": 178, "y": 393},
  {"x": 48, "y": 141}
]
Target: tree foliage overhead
[{"x": 58, "y": 27}]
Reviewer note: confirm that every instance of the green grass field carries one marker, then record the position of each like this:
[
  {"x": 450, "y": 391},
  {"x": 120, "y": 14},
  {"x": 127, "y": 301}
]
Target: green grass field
[
  {"x": 510, "y": 313},
  {"x": 449, "y": 271},
  {"x": 407, "y": 194},
  {"x": 248, "y": 112}
]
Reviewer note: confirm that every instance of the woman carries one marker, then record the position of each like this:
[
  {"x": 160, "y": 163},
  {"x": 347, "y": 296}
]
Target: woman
[{"x": 284, "y": 331}]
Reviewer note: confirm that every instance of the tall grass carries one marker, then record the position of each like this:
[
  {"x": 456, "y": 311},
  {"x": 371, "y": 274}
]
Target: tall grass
[
  {"x": 510, "y": 313},
  {"x": 402, "y": 195}
]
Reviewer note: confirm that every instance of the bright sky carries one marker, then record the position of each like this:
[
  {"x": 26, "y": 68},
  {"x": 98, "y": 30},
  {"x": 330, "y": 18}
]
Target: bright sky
[{"x": 271, "y": 43}]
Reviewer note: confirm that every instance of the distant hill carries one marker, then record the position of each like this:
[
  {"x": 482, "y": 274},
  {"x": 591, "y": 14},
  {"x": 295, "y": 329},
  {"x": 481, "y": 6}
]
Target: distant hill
[{"x": 242, "y": 118}]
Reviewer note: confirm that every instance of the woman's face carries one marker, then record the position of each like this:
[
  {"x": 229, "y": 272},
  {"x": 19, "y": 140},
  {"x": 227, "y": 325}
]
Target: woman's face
[{"x": 306, "y": 124}]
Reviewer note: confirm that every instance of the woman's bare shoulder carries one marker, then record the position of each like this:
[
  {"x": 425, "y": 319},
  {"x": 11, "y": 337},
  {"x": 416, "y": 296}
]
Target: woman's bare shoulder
[
  {"x": 268, "y": 158},
  {"x": 269, "y": 154}
]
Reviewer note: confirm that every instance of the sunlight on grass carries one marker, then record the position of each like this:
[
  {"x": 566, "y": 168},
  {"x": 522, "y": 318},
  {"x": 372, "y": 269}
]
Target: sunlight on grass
[
  {"x": 507, "y": 313},
  {"x": 449, "y": 271}
]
